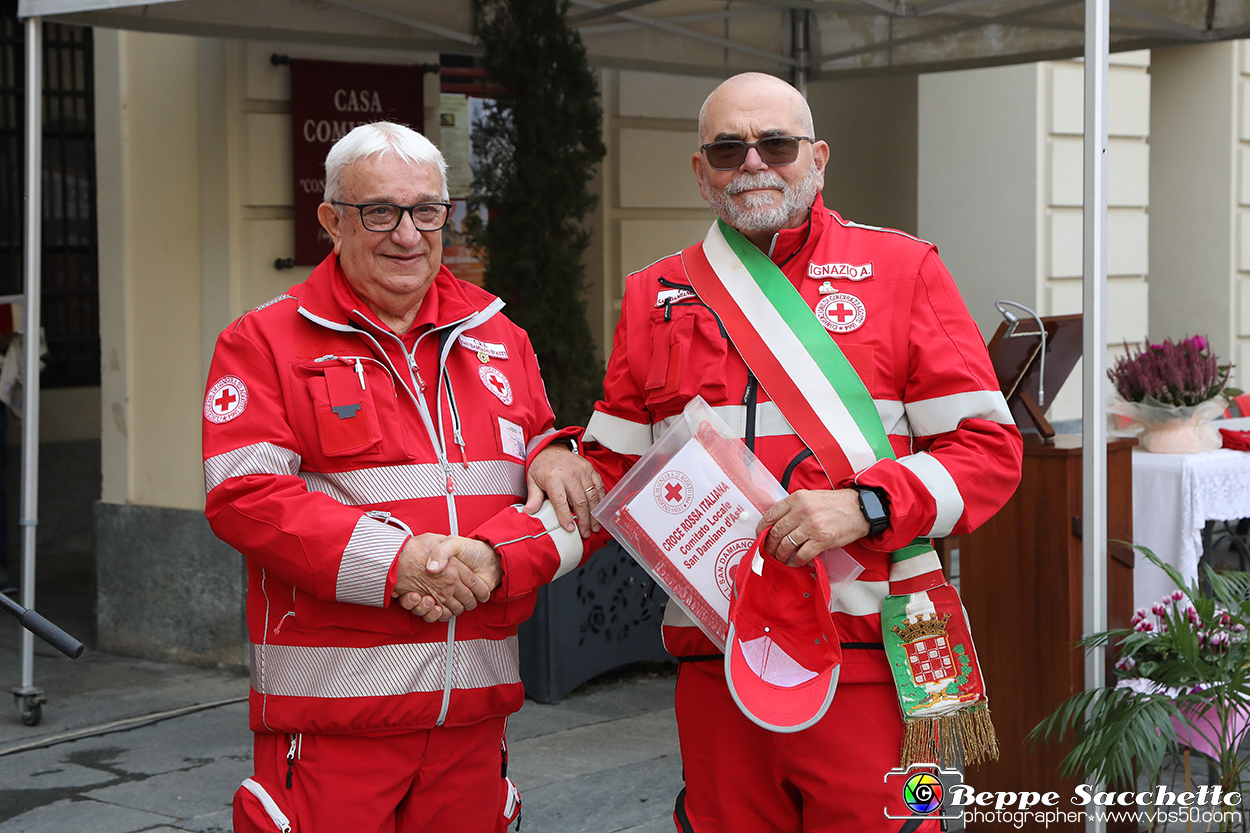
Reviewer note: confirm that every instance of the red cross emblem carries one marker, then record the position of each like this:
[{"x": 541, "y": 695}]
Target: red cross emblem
[
  {"x": 672, "y": 491},
  {"x": 225, "y": 400},
  {"x": 841, "y": 312},
  {"x": 495, "y": 382}
]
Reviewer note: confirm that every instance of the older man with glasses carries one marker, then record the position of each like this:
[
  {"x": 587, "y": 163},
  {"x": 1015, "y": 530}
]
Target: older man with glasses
[
  {"x": 371, "y": 438},
  {"x": 737, "y": 320}
]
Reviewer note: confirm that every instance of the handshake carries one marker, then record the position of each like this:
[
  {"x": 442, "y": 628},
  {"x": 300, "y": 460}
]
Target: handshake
[{"x": 441, "y": 576}]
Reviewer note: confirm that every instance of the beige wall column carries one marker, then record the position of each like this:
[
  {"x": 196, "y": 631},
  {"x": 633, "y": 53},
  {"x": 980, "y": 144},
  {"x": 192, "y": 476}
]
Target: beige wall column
[
  {"x": 870, "y": 125},
  {"x": 650, "y": 205},
  {"x": 1000, "y": 192},
  {"x": 1200, "y": 180}
]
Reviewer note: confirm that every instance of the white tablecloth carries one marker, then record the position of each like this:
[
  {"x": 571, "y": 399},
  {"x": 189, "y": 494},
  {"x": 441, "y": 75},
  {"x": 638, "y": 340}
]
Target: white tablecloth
[{"x": 1174, "y": 495}]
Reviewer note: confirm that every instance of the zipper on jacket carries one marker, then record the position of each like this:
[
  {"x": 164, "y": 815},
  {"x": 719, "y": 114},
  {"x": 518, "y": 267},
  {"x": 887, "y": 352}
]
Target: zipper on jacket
[
  {"x": 456, "y": 434},
  {"x": 668, "y": 305},
  {"x": 290, "y": 761},
  {"x": 748, "y": 399}
]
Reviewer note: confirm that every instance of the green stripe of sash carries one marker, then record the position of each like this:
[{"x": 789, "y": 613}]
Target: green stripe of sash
[
  {"x": 814, "y": 338},
  {"x": 824, "y": 351}
]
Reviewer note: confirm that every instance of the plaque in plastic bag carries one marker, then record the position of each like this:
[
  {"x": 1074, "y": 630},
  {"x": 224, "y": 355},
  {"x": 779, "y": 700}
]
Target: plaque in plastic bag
[{"x": 687, "y": 512}]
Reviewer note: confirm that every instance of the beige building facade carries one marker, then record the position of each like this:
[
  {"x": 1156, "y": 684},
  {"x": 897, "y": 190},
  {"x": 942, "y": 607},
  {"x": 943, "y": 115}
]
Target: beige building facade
[{"x": 195, "y": 193}]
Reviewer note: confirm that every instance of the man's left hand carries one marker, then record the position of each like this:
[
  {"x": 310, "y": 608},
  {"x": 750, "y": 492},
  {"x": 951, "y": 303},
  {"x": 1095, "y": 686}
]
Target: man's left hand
[
  {"x": 570, "y": 483},
  {"x": 808, "y": 522}
]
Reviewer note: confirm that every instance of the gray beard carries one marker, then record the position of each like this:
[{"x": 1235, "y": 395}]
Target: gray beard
[{"x": 757, "y": 213}]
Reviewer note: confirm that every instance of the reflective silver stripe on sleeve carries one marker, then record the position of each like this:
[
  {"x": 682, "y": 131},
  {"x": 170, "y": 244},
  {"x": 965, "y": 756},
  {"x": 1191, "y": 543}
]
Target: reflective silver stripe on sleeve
[
  {"x": 942, "y": 414},
  {"x": 532, "y": 444},
  {"x": 384, "y": 671},
  {"x": 366, "y": 562},
  {"x": 770, "y": 422},
  {"x": 568, "y": 544},
  {"x": 935, "y": 477},
  {"x": 616, "y": 434},
  {"x": 862, "y": 598},
  {"x": 261, "y": 458},
  {"x": 675, "y": 617},
  {"x": 387, "y": 484}
]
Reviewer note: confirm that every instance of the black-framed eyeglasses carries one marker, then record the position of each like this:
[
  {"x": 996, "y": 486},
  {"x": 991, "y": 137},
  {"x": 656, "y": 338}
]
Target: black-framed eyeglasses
[
  {"x": 384, "y": 216},
  {"x": 728, "y": 154}
]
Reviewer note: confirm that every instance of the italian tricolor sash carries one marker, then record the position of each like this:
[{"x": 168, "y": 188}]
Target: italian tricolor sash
[{"x": 928, "y": 643}]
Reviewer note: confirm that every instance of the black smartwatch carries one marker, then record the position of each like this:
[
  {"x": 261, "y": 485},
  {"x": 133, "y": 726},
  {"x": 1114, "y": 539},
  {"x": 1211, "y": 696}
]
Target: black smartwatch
[{"x": 876, "y": 508}]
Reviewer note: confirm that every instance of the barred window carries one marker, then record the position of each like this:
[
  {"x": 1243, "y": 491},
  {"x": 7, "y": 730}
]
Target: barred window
[{"x": 70, "y": 276}]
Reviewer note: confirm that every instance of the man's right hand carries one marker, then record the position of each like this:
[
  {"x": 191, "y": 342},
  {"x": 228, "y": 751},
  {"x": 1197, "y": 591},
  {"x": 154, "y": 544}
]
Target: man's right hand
[{"x": 451, "y": 588}]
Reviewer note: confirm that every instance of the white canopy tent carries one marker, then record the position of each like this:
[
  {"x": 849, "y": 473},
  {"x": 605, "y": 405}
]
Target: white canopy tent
[{"x": 801, "y": 39}]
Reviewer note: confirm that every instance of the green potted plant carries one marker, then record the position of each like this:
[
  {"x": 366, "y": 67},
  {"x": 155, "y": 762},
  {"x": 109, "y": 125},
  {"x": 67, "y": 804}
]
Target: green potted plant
[{"x": 1184, "y": 671}]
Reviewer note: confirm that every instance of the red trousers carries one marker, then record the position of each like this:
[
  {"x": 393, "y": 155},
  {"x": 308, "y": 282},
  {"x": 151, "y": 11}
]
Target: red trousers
[
  {"x": 437, "y": 779},
  {"x": 741, "y": 778}
]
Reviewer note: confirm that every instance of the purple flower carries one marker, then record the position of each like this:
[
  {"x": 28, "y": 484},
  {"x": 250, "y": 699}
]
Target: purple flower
[
  {"x": 1177, "y": 595},
  {"x": 1159, "y": 610},
  {"x": 1183, "y": 374},
  {"x": 1144, "y": 627}
]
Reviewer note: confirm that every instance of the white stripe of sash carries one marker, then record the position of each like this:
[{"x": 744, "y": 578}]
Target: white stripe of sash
[
  {"x": 862, "y": 598},
  {"x": 912, "y": 567},
  {"x": 789, "y": 351},
  {"x": 935, "y": 477},
  {"x": 942, "y": 414}
]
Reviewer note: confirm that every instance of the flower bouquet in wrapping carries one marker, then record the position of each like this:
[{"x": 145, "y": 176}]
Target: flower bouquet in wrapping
[{"x": 1168, "y": 393}]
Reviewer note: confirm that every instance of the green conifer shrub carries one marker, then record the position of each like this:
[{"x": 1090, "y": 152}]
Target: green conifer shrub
[{"x": 537, "y": 150}]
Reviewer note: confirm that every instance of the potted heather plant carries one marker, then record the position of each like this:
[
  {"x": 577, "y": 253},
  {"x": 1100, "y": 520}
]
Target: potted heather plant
[
  {"x": 1168, "y": 393},
  {"x": 1184, "y": 671}
]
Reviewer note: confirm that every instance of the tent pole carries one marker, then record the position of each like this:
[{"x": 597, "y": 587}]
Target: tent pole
[
  {"x": 33, "y": 250},
  {"x": 1094, "y": 355}
]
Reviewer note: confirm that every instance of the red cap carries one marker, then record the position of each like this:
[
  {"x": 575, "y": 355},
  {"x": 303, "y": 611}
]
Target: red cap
[{"x": 783, "y": 653}]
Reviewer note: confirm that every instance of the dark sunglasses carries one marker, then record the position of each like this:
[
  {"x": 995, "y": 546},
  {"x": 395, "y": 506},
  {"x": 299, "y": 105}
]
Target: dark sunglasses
[{"x": 774, "y": 150}]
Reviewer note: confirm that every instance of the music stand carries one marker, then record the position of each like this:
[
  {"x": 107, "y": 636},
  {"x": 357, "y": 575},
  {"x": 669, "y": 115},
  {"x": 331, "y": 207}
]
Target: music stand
[{"x": 1016, "y": 360}]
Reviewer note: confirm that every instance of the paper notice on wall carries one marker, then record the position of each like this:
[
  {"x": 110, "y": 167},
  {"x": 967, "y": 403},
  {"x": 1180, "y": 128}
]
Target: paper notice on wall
[{"x": 454, "y": 142}]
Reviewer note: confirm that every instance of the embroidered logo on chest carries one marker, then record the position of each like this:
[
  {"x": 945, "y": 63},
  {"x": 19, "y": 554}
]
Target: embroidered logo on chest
[
  {"x": 850, "y": 271},
  {"x": 495, "y": 382},
  {"x": 841, "y": 312},
  {"x": 226, "y": 399}
]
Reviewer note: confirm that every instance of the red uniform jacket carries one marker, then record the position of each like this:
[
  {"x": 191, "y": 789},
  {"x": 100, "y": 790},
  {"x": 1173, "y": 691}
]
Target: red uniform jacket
[
  {"x": 328, "y": 441},
  {"x": 910, "y": 337}
]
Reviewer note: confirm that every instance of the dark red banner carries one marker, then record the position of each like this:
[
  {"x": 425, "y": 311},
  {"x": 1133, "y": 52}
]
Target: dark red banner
[{"x": 328, "y": 100}]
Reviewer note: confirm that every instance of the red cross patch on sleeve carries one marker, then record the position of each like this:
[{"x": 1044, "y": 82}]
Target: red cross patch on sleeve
[{"x": 226, "y": 399}]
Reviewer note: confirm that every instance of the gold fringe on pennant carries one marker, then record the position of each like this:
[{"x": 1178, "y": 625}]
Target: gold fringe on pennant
[{"x": 965, "y": 736}]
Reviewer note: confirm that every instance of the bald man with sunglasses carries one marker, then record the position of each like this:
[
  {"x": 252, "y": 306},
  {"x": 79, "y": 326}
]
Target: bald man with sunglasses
[{"x": 892, "y": 308}]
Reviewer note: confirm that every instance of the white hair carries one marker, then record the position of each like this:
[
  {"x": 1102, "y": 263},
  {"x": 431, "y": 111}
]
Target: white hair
[{"x": 379, "y": 139}]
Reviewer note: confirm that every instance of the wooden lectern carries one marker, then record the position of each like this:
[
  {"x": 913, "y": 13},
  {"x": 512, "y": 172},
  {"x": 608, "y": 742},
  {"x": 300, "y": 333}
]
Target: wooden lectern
[
  {"x": 1021, "y": 572},
  {"x": 1020, "y": 579}
]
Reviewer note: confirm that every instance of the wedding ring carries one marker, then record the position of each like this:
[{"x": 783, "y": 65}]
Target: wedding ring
[
  {"x": 591, "y": 489},
  {"x": 792, "y": 541}
]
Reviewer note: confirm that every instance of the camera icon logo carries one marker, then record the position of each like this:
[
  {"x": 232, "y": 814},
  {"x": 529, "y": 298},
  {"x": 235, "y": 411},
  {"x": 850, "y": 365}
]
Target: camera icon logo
[{"x": 922, "y": 788}]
